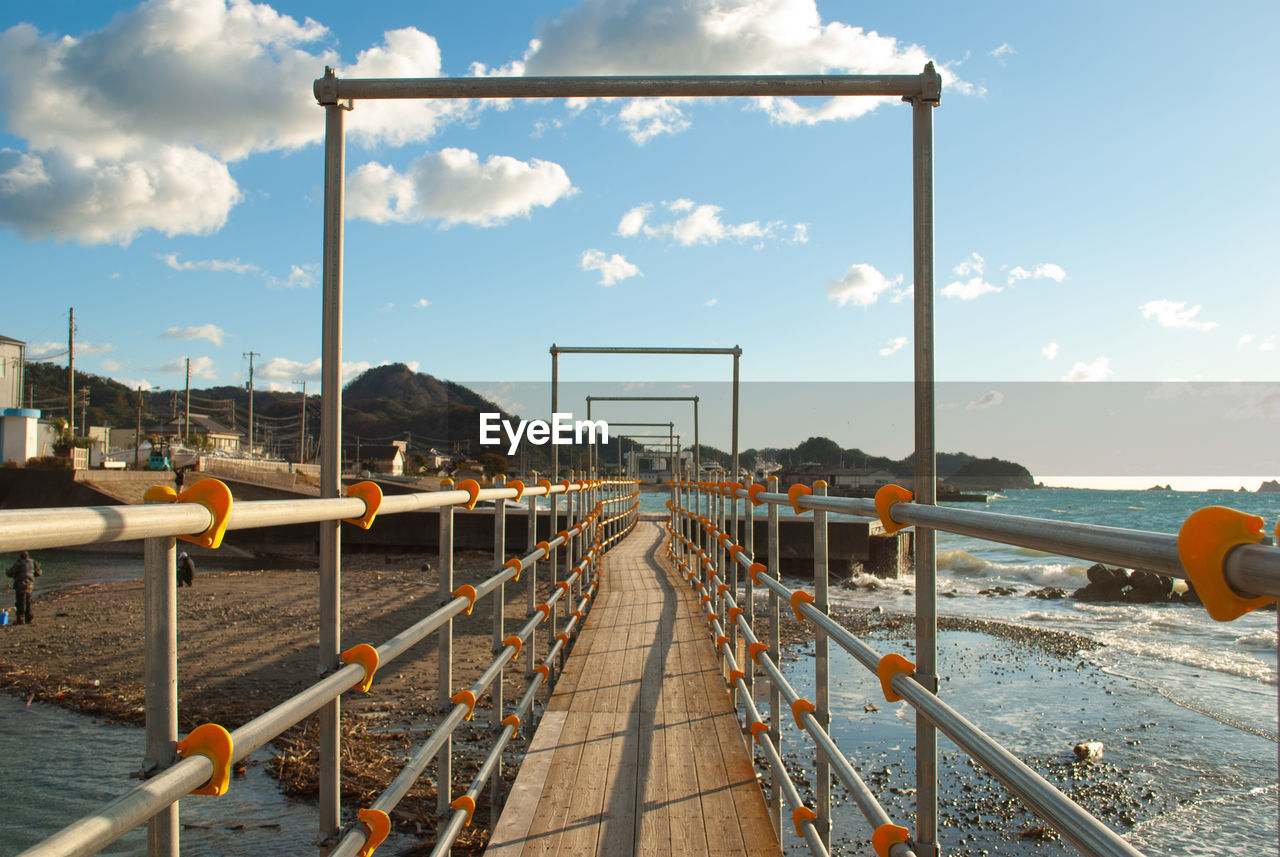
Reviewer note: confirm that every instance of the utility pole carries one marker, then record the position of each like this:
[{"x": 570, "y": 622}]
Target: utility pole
[
  {"x": 84, "y": 410},
  {"x": 71, "y": 374},
  {"x": 186, "y": 419},
  {"x": 302, "y": 431},
  {"x": 137, "y": 435},
  {"x": 251, "y": 355}
]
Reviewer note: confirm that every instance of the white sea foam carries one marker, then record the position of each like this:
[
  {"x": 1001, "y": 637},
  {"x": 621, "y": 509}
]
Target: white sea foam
[
  {"x": 1061, "y": 574},
  {"x": 1264, "y": 639}
]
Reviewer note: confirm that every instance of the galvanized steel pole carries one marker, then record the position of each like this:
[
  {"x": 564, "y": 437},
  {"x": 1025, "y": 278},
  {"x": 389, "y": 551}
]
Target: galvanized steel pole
[
  {"x": 444, "y": 662},
  {"x": 822, "y": 666},
  {"x": 926, "y": 482},
  {"x": 331, "y": 462},
  {"x": 160, "y": 635},
  {"x": 776, "y": 775},
  {"x": 499, "y": 632}
]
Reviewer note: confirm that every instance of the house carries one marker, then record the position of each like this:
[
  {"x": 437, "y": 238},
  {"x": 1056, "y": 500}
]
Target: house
[
  {"x": 387, "y": 459},
  {"x": 12, "y": 353},
  {"x": 205, "y": 430}
]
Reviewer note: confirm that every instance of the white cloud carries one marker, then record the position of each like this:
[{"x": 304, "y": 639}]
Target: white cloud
[
  {"x": 905, "y": 294},
  {"x": 1044, "y": 271},
  {"x": 633, "y": 221},
  {"x": 861, "y": 285},
  {"x": 109, "y": 365},
  {"x": 712, "y": 302},
  {"x": 1175, "y": 314},
  {"x": 39, "y": 351},
  {"x": 613, "y": 269},
  {"x": 118, "y": 139},
  {"x": 969, "y": 289},
  {"x": 893, "y": 345},
  {"x": 201, "y": 367},
  {"x": 453, "y": 186},
  {"x": 717, "y": 37},
  {"x": 299, "y": 277},
  {"x": 971, "y": 264},
  {"x": 235, "y": 266},
  {"x": 211, "y": 332},
  {"x": 170, "y": 189},
  {"x": 1244, "y": 340},
  {"x": 989, "y": 399},
  {"x": 1268, "y": 344},
  {"x": 1098, "y": 370},
  {"x": 1001, "y": 52},
  {"x": 422, "y": 303},
  {"x": 1050, "y": 351},
  {"x": 286, "y": 370},
  {"x": 700, "y": 223}
]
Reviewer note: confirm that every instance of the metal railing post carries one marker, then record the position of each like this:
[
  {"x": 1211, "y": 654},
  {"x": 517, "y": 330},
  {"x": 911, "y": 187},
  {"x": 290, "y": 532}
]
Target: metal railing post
[
  {"x": 775, "y": 649},
  {"x": 499, "y": 609},
  {"x": 161, "y": 671},
  {"x": 926, "y": 481},
  {"x": 822, "y": 665},
  {"x": 444, "y": 664},
  {"x": 531, "y": 655},
  {"x": 749, "y": 597},
  {"x": 330, "y": 632}
]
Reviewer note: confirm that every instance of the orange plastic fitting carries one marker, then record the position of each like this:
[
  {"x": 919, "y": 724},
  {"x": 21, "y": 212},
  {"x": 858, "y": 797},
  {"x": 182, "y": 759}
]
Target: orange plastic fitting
[
  {"x": 545, "y": 484},
  {"x": 754, "y": 571},
  {"x": 725, "y": 540},
  {"x": 758, "y": 727},
  {"x": 545, "y": 547},
  {"x": 1204, "y": 540},
  {"x": 886, "y": 836},
  {"x": 468, "y": 592},
  {"x": 545, "y": 670},
  {"x": 752, "y": 492},
  {"x": 563, "y": 637},
  {"x": 889, "y": 666},
  {"x": 755, "y": 650},
  {"x": 472, "y": 487},
  {"x": 377, "y": 825},
  {"x": 467, "y": 803},
  {"x": 367, "y": 656},
  {"x": 712, "y": 617},
  {"x": 734, "y": 675},
  {"x": 519, "y": 486},
  {"x": 512, "y": 720},
  {"x": 214, "y": 743},
  {"x": 545, "y": 609},
  {"x": 565, "y": 585},
  {"x": 722, "y": 589},
  {"x": 797, "y": 598},
  {"x": 794, "y": 493},
  {"x": 734, "y": 551},
  {"x": 564, "y": 534},
  {"x": 210, "y": 493},
  {"x": 735, "y": 612},
  {"x": 886, "y": 497},
  {"x": 467, "y": 697},
  {"x": 802, "y": 814},
  {"x": 371, "y": 494},
  {"x": 516, "y": 563},
  {"x": 515, "y": 643},
  {"x": 800, "y": 706},
  {"x": 721, "y": 641}
]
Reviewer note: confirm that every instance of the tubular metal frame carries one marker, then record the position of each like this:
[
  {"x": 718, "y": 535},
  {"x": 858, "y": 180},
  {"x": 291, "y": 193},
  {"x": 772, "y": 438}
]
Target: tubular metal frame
[
  {"x": 701, "y": 549},
  {"x": 170, "y": 779}
]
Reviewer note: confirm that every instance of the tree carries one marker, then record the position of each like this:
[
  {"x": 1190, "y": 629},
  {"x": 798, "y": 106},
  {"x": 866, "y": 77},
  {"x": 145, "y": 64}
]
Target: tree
[{"x": 494, "y": 464}]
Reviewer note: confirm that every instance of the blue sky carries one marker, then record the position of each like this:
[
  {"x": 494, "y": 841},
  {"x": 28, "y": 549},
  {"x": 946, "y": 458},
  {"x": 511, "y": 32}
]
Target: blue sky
[{"x": 1105, "y": 201}]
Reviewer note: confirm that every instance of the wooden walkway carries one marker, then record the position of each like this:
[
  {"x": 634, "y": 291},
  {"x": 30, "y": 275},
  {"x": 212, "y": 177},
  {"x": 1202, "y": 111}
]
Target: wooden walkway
[{"x": 639, "y": 751}]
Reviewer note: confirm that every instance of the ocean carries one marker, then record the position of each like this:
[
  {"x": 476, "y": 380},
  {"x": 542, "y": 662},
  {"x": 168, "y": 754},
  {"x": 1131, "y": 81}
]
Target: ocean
[{"x": 1185, "y": 707}]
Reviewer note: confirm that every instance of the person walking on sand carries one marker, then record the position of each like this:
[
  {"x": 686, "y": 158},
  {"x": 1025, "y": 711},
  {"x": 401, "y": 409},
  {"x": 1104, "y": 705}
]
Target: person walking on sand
[
  {"x": 186, "y": 569},
  {"x": 24, "y": 573}
]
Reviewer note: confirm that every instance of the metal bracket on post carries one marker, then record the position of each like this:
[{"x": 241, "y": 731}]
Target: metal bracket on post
[{"x": 930, "y": 87}]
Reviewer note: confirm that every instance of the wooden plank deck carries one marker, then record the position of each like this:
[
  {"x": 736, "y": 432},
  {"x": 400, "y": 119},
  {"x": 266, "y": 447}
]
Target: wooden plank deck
[{"x": 639, "y": 751}]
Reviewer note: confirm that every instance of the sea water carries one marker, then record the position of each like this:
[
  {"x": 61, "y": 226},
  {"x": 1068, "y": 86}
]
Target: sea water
[{"x": 1186, "y": 707}]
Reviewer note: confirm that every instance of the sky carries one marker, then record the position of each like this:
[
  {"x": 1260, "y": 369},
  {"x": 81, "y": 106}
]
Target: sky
[{"x": 1104, "y": 210}]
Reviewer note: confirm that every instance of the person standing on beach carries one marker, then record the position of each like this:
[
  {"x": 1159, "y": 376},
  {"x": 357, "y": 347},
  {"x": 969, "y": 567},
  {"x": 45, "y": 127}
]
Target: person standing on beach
[
  {"x": 186, "y": 569},
  {"x": 24, "y": 573}
]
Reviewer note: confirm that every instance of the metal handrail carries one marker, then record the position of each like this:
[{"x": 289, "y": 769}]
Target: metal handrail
[
  {"x": 709, "y": 549},
  {"x": 93, "y": 832}
]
